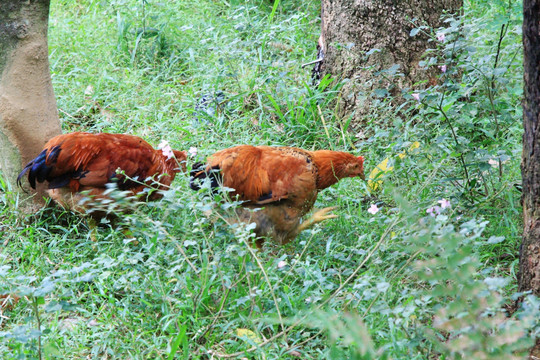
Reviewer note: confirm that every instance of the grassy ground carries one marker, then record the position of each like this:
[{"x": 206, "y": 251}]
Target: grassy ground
[{"x": 397, "y": 284}]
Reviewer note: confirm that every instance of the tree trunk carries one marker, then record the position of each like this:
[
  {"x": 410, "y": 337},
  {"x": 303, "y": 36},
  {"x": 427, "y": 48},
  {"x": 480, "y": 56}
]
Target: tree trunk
[
  {"x": 529, "y": 256},
  {"x": 351, "y": 28},
  {"x": 28, "y": 113}
]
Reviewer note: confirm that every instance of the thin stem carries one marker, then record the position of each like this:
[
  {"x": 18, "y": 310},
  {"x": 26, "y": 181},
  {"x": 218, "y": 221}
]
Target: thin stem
[
  {"x": 457, "y": 146},
  {"x": 324, "y": 123},
  {"x": 491, "y": 87},
  {"x": 501, "y": 37},
  {"x": 269, "y": 285},
  {"x": 454, "y": 136},
  {"x": 484, "y": 182},
  {"x": 216, "y": 317},
  {"x": 38, "y": 319},
  {"x": 493, "y": 112},
  {"x": 144, "y": 15}
]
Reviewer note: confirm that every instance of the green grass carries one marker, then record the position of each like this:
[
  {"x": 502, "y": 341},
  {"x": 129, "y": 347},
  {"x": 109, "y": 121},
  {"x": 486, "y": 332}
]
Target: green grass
[{"x": 181, "y": 283}]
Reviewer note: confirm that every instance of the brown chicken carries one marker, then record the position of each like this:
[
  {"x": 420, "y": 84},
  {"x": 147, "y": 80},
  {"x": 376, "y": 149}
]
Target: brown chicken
[
  {"x": 281, "y": 183},
  {"x": 79, "y": 165}
]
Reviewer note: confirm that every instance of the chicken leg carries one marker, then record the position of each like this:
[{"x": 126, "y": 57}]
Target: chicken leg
[{"x": 317, "y": 217}]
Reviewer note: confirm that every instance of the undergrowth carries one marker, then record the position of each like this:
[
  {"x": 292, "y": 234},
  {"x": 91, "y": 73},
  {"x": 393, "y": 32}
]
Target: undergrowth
[{"x": 429, "y": 273}]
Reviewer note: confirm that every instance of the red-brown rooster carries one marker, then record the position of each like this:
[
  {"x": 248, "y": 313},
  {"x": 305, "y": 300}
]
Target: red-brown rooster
[
  {"x": 281, "y": 183},
  {"x": 78, "y": 166}
]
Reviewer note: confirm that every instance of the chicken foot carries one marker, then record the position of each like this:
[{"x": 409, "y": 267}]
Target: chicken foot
[{"x": 317, "y": 217}]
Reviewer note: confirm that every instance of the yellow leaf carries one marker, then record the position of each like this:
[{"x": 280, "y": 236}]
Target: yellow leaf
[
  {"x": 248, "y": 334},
  {"x": 376, "y": 175}
]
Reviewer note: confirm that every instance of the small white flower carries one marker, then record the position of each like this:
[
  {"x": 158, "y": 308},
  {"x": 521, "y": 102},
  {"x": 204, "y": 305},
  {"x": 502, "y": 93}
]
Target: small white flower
[
  {"x": 162, "y": 144},
  {"x": 434, "y": 211},
  {"x": 192, "y": 151},
  {"x": 444, "y": 203},
  {"x": 373, "y": 209},
  {"x": 89, "y": 90},
  {"x": 493, "y": 162},
  {"x": 441, "y": 37},
  {"x": 166, "y": 149},
  {"x": 443, "y": 68},
  {"x": 281, "y": 264},
  {"x": 416, "y": 96}
]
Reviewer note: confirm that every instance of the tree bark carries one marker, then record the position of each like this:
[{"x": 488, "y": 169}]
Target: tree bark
[
  {"x": 351, "y": 28},
  {"x": 529, "y": 256},
  {"x": 28, "y": 113}
]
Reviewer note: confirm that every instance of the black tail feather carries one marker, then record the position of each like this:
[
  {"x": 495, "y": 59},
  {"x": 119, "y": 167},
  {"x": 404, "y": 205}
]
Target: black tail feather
[
  {"x": 199, "y": 173},
  {"x": 26, "y": 168},
  {"x": 38, "y": 169},
  {"x": 34, "y": 168}
]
